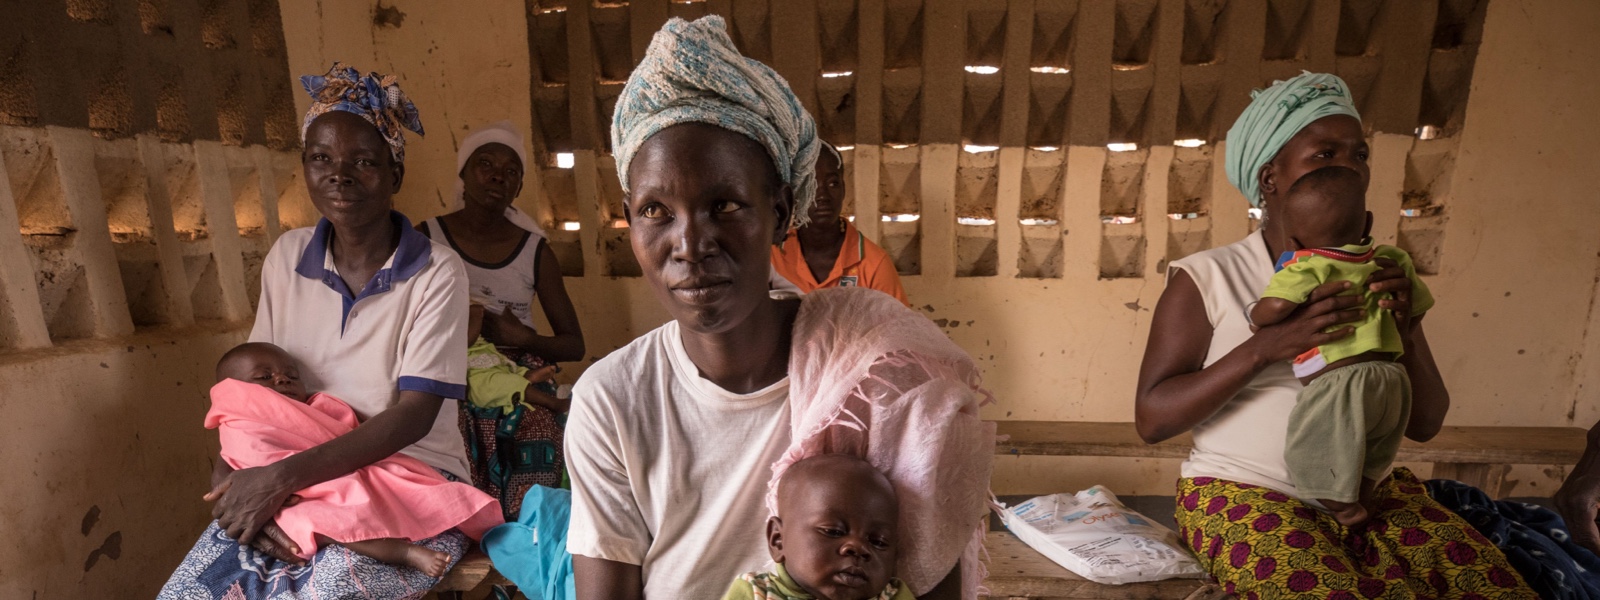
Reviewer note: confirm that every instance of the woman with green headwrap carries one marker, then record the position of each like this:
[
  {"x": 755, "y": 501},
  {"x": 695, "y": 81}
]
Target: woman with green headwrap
[
  {"x": 672, "y": 439},
  {"x": 1208, "y": 372}
]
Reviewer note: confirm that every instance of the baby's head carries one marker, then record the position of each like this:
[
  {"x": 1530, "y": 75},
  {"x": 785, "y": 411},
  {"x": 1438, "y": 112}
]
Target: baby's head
[
  {"x": 263, "y": 364},
  {"x": 835, "y": 531},
  {"x": 1327, "y": 208}
]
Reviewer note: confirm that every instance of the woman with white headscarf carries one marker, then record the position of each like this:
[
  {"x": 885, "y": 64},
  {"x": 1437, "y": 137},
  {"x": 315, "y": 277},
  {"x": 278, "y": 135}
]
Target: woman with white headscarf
[
  {"x": 674, "y": 438},
  {"x": 509, "y": 267}
]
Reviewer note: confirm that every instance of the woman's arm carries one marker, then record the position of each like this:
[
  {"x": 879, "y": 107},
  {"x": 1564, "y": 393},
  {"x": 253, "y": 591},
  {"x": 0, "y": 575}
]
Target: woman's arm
[
  {"x": 598, "y": 578},
  {"x": 566, "y": 343},
  {"x": 1430, "y": 401},
  {"x": 247, "y": 499},
  {"x": 1176, "y": 391}
]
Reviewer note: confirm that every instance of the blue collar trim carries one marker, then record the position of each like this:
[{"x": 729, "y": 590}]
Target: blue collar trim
[{"x": 410, "y": 256}]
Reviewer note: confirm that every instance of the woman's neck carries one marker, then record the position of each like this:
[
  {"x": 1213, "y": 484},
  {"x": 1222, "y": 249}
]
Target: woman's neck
[
  {"x": 479, "y": 218},
  {"x": 752, "y": 355},
  {"x": 365, "y": 247}
]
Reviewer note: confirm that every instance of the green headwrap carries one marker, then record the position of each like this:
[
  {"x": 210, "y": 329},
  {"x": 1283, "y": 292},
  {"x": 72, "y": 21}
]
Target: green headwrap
[{"x": 1275, "y": 114}]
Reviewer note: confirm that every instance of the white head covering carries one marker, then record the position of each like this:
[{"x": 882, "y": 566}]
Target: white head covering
[{"x": 505, "y": 133}]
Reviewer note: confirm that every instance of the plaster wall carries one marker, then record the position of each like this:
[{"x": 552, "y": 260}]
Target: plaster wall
[
  {"x": 106, "y": 461},
  {"x": 1517, "y": 267},
  {"x": 112, "y": 423}
]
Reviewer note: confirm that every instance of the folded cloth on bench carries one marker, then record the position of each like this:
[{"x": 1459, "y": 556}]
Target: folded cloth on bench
[
  {"x": 397, "y": 497},
  {"x": 874, "y": 379},
  {"x": 1534, "y": 539}
]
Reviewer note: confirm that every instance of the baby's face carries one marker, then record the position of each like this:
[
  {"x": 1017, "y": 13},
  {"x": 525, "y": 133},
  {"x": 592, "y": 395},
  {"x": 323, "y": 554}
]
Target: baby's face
[
  {"x": 270, "y": 367},
  {"x": 838, "y": 535}
]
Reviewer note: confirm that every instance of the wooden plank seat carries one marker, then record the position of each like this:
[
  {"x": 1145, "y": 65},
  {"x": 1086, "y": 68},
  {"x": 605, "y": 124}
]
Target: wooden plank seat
[
  {"x": 1015, "y": 571},
  {"x": 1018, "y": 571},
  {"x": 1480, "y": 456},
  {"x": 1476, "y": 455},
  {"x": 471, "y": 571}
]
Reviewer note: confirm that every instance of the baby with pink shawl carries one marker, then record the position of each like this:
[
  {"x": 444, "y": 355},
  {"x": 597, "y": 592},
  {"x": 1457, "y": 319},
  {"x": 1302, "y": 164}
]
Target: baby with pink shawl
[
  {"x": 875, "y": 380},
  {"x": 263, "y": 414}
]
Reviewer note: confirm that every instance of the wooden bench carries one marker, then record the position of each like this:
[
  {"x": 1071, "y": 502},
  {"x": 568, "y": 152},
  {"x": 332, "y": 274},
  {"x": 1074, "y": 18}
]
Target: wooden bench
[
  {"x": 471, "y": 571},
  {"x": 1016, "y": 571},
  {"x": 1480, "y": 456}
]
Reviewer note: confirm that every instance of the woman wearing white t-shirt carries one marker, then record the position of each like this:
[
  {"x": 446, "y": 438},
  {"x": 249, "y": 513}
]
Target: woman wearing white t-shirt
[{"x": 673, "y": 438}]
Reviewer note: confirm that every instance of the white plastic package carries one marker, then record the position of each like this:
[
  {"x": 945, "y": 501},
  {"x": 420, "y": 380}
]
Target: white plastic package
[{"x": 1094, "y": 535}]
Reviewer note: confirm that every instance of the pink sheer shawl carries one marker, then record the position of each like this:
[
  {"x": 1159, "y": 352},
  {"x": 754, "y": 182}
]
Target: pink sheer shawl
[
  {"x": 871, "y": 378},
  {"x": 397, "y": 497}
]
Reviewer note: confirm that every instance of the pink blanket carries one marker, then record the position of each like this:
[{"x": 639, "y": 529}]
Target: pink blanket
[
  {"x": 871, "y": 378},
  {"x": 397, "y": 497}
]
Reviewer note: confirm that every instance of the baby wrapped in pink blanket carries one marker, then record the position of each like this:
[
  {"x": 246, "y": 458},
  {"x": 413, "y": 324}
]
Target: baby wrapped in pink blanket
[{"x": 262, "y": 414}]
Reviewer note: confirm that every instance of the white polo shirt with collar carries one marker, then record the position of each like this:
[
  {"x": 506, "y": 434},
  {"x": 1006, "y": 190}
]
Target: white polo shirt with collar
[{"x": 406, "y": 330}]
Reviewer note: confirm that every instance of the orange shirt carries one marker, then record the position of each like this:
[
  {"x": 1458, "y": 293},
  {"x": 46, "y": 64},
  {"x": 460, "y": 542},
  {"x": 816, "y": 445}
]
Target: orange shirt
[{"x": 861, "y": 263}]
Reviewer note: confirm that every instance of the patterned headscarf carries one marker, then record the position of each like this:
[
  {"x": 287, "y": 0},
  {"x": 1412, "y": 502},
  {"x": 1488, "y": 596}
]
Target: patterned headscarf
[
  {"x": 376, "y": 98},
  {"x": 692, "y": 73},
  {"x": 1275, "y": 114}
]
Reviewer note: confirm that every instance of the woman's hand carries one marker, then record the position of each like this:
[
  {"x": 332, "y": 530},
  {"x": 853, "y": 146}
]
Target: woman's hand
[
  {"x": 543, "y": 374},
  {"x": 1306, "y": 328},
  {"x": 505, "y": 329},
  {"x": 274, "y": 542},
  {"x": 1392, "y": 279},
  {"x": 1579, "y": 496},
  {"x": 247, "y": 499},
  {"x": 1577, "y": 501}
]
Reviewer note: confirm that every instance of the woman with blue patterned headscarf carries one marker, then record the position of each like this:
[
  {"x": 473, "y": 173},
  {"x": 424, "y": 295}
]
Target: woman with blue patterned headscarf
[
  {"x": 376, "y": 314},
  {"x": 672, "y": 439},
  {"x": 1208, "y": 371}
]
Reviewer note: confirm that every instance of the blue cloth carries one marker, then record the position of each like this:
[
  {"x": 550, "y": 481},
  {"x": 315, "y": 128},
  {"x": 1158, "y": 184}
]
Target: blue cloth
[
  {"x": 532, "y": 551},
  {"x": 1533, "y": 538}
]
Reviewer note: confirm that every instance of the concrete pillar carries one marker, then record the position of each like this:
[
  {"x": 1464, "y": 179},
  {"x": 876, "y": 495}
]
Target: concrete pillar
[
  {"x": 587, "y": 191},
  {"x": 216, "y": 194},
  {"x": 1080, "y": 214},
  {"x": 1153, "y": 211},
  {"x": 1385, "y": 191},
  {"x": 158, "y": 200},
  {"x": 938, "y": 222},
  {"x": 267, "y": 182},
  {"x": 1008, "y": 191},
  {"x": 22, "y": 323},
  {"x": 1230, "y": 217},
  {"x": 80, "y": 184}
]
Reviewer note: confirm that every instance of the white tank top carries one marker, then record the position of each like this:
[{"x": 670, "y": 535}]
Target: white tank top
[
  {"x": 1244, "y": 440},
  {"x": 508, "y": 285}
]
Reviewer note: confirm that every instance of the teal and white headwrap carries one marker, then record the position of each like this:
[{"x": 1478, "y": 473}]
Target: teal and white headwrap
[
  {"x": 692, "y": 73},
  {"x": 1274, "y": 116}
]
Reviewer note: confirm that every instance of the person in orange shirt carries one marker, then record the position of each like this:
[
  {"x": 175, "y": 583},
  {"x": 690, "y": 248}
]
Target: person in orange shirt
[{"x": 829, "y": 251}]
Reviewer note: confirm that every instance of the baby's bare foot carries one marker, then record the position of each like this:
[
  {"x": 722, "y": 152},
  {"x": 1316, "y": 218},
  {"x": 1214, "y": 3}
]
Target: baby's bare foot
[{"x": 429, "y": 561}]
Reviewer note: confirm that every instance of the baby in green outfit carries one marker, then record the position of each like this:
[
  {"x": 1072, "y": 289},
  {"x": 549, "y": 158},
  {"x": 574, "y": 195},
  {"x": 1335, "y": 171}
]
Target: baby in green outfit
[
  {"x": 833, "y": 537},
  {"x": 1347, "y": 424},
  {"x": 494, "y": 381}
]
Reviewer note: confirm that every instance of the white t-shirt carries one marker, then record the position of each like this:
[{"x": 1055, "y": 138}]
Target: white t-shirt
[
  {"x": 406, "y": 330},
  {"x": 1244, "y": 440},
  {"x": 669, "y": 471}
]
